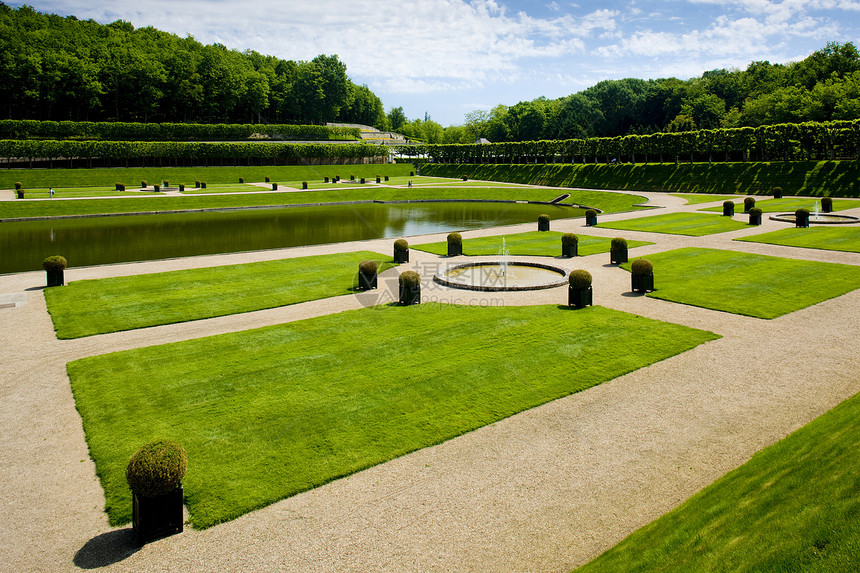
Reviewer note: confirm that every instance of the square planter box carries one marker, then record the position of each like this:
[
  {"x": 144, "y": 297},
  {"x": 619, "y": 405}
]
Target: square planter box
[
  {"x": 366, "y": 282},
  {"x": 755, "y": 219},
  {"x": 401, "y": 256},
  {"x": 543, "y": 225},
  {"x": 157, "y": 517},
  {"x": 570, "y": 250},
  {"x": 579, "y": 297},
  {"x": 729, "y": 210},
  {"x": 801, "y": 222},
  {"x": 455, "y": 249},
  {"x": 617, "y": 256},
  {"x": 410, "y": 295},
  {"x": 55, "y": 278},
  {"x": 590, "y": 221},
  {"x": 642, "y": 283}
]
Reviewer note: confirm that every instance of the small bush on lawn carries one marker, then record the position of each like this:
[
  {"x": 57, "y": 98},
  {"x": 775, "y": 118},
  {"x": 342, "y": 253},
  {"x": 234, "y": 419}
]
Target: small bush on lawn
[
  {"x": 401, "y": 245},
  {"x": 455, "y": 239},
  {"x": 580, "y": 278},
  {"x": 642, "y": 267},
  {"x": 802, "y": 213},
  {"x": 826, "y": 204},
  {"x": 368, "y": 267},
  {"x": 54, "y": 263},
  {"x": 569, "y": 239},
  {"x": 755, "y": 212},
  {"x": 590, "y": 213},
  {"x": 543, "y": 219},
  {"x": 410, "y": 279},
  {"x": 156, "y": 468},
  {"x": 749, "y": 203},
  {"x": 619, "y": 243}
]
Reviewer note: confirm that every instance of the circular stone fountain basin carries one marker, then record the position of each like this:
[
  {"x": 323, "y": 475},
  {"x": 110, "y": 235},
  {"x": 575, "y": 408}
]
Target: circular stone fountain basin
[
  {"x": 496, "y": 276},
  {"x": 819, "y": 219}
]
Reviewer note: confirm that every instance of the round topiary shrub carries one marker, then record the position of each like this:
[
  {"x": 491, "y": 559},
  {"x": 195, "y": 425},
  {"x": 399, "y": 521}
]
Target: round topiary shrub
[
  {"x": 802, "y": 212},
  {"x": 18, "y": 186},
  {"x": 197, "y": 184},
  {"x": 801, "y": 218},
  {"x": 826, "y": 204},
  {"x": 166, "y": 183},
  {"x": 401, "y": 251},
  {"x": 590, "y": 213},
  {"x": 543, "y": 222},
  {"x": 580, "y": 278},
  {"x": 728, "y": 208},
  {"x": 401, "y": 245},
  {"x": 777, "y": 192},
  {"x": 569, "y": 239},
  {"x": 455, "y": 239},
  {"x": 368, "y": 267},
  {"x": 54, "y": 263},
  {"x": 618, "y": 243},
  {"x": 143, "y": 184},
  {"x": 749, "y": 203},
  {"x": 410, "y": 288},
  {"x": 156, "y": 468},
  {"x": 642, "y": 267},
  {"x": 755, "y": 212},
  {"x": 410, "y": 279}
]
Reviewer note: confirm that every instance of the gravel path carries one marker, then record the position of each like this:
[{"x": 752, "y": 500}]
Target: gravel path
[{"x": 544, "y": 490}]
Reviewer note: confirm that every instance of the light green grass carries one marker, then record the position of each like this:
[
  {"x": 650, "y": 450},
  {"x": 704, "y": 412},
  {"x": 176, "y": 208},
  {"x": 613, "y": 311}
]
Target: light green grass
[
  {"x": 789, "y": 204},
  {"x": 691, "y": 224},
  {"x": 846, "y": 239},
  {"x": 78, "y": 192},
  {"x": 267, "y": 413},
  {"x": 85, "y": 308},
  {"x": 747, "y": 284},
  {"x": 696, "y": 199},
  {"x": 792, "y": 507},
  {"x": 535, "y": 243}
]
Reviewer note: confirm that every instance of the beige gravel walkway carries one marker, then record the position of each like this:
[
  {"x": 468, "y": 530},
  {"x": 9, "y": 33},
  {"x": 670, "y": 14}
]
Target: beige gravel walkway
[{"x": 545, "y": 490}]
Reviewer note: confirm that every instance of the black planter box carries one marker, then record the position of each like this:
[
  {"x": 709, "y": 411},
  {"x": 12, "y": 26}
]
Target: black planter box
[
  {"x": 274, "y": 186},
  {"x": 729, "y": 210},
  {"x": 617, "y": 256},
  {"x": 801, "y": 221},
  {"x": 590, "y": 221},
  {"x": 642, "y": 283},
  {"x": 55, "y": 278},
  {"x": 410, "y": 295},
  {"x": 579, "y": 297},
  {"x": 455, "y": 249},
  {"x": 401, "y": 256},
  {"x": 569, "y": 250},
  {"x": 20, "y": 194},
  {"x": 157, "y": 517},
  {"x": 543, "y": 225},
  {"x": 366, "y": 282},
  {"x": 826, "y": 207},
  {"x": 755, "y": 219},
  {"x": 379, "y": 180},
  {"x": 777, "y": 194}
]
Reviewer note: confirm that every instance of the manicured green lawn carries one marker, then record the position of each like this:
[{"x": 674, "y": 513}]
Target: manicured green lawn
[
  {"x": 67, "y": 192},
  {"x": 827, "y": 238},
  {"x": 267, "y": 413},
  {"x": 84, "y": 308},
  {"x": 748, "y": 284},
  {"x": 789, "y": 204},
  {"x": 792, "y": 507},
  {"x": 535, "y": 243},
  {"x": 696, "y": 199},
  {"x": 692, "y": 224}
]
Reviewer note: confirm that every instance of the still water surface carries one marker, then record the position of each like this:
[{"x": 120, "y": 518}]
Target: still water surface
[{"x": 102, "y": 240}]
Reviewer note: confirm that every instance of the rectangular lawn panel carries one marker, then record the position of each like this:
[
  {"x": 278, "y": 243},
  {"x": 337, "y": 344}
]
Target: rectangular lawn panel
[
  {"x": 753, "y": 285},
  {"x": 85, "y": 308},
  {"x": 267, "y": 413},
  {"x": 789, "y": 204},
  {"x": 535, "y": 243},
  {"x": 845, "y": 239},
  {"x": 691, "y": 224},
  {"x": 694, "y": 199},
  {"x": 792, "y": 507}
]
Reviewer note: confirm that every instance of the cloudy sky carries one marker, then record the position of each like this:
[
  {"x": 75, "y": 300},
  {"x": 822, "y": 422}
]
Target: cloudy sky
[{"x": 449, "y": 57}]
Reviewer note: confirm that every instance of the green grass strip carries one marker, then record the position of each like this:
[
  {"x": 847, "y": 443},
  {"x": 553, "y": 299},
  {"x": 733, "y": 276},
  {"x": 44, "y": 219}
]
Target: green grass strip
[
  {"x": 267, "y": 413},
  {"x": 846, "y": 239},
  {"x": 696, "y": 199},
  {"x": 691, "y": 224},
  {"x": 85, "y": 308},
  {"x": 747, "y": 284},
  {"x": 789, "y": 205},
  {"x": 534, "y": 243},
  {"x": 792, "y": 507}
]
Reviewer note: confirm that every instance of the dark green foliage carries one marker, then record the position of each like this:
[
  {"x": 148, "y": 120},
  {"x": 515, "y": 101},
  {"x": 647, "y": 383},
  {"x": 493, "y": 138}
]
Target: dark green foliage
[
  {"x": 543, "y": 219},
  {"x": 409, "y": 280},
  {"x": 755, "y": 212},
  {"x": 54, "y": 263},
  {"x": 166, "y": 183},
  {"x": 776, "y": 192},
  {"x": 749, "y": 203},
  {"x": 826, "y": 204},
  {"x": 802, "y": 212},
  {"x": 455, "y": 239},
  {"x": 368, "y": 267},
  {"x": 143, "y": 184},
  {"x": 157, "y": 468},
  {"x": 17, "y": 186},
  {"x": 569, "y": 239},
  {"x": 580, "y": 278},
  {"x": 728, "y": 204},
  {"x": 618, "y": 243},
  {"x": 590, "y": 213},
  {"x": 401, "y": 245},
  {"x": 642, "y": 267}
]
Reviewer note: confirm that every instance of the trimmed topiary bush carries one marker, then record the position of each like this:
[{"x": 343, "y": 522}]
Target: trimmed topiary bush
[
  {"x": 569, "y": 245},
  {"x": 166, "y": 183},
  {"x": 410, "y": 288},
  {"x": 618, "y": 250},
  {"x": 143, "y": 184},
  {"x": 197, "y": 184},
  {"x": 304, "y": 184},
  {"x": 274, "y": 186},
  {"x": 54, "y": 267},
  {"x": 241, "y": 179},
  {"x": 157, "y": 468},
  {"x": 378, "y": 178},
  {"x": 455, "y": 244},
  {"x": 642, "y": 267},
  {"x": 401, "y": 251},
  {"x": 590, "y": 217},
  {"x": 156, "y": 188},
  {"x": 181, "y": 187},
  {"x": 18, "y": 186},
  {"x": 749, "y": 203},
  {"x": 755, "y": 216},
  {"x": 543, "y": 222},
  {"x": 579, "y": 291},
  {"x": 580, "y": 278},
  {"x": 777, "y": 192},
  {"x": 728, "y": 209},
  {"x": 826, "y": 205},
  {"x": 801, "y": 218},
  {"x": 642, "y": 275},
  {"x": 367, "y": 270},
  {"x": 267, "y": 180}
]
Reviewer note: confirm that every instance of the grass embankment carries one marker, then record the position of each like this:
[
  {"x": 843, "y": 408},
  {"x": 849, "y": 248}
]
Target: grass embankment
[
  {"x": 752, "y": 285},
  {"x": 846, "y": 239},
  {"x": 536, "y": 243},
  {"x": 267, "y": 413},
  {"x": 817, "y": 178},
  {"x": 45, "y": 178},
  {"x": 609, "y": 202},
  {"x": 690, "y": 224},
  {"x": 792, "y": 507},
  {"x": 85, "y": 308}
]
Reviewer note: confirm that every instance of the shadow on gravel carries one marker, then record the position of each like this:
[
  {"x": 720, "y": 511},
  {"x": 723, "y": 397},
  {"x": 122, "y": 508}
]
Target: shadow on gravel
[{"x": 107, "y": 549}]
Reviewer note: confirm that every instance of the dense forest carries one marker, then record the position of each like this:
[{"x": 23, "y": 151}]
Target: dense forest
[{"x": 60, "y": 68}]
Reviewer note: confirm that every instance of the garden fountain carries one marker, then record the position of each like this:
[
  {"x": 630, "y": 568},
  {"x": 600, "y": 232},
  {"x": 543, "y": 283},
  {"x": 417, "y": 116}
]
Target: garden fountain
[
  {"x": 502, "y": 275},
  {"x": 816, "y": 217}
]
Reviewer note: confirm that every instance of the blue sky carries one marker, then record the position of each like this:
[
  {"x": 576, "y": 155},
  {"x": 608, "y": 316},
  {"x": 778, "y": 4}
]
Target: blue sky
[{"x": 449, "y": 57}]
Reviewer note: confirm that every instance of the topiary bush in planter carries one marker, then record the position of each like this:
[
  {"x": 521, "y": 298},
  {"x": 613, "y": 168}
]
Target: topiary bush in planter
[
  {"x": 569, "y": 245},
  {"x": 642, "y": 275},
  {"x": 203, "y": 185},
  {"x": 728, "y": 209},
  {"x": 197, "y": 184},
  {"x": 267, "y": 180},
  {"x": 801, "y": 218},
  {"x": 826, "y": 205},
  {"x": 367, "y": 275},
  {"x": 777, "y": 192},
  {"x": 166, "y": 183},
  {"x": 749, "y": 203},
  {"x": 455, "y": 244},
  {"x": 543, "y": 222},
  {"x": 401, "y": 251},
  {"x": 156, "y": 188},
  {"x": 755, "y": 216},
  {"x": 154, "y": 474},
  {"x": 590, "y": 217},
  {"x": 304, "y": 184},
  {"x": 410, "y": 288},
  {"x": 241, "y": 179},
  {"x": 181, "y": 187},
  {"x": 143, "y": 184},
  {"x": 378, "y": 178},
  {"x": 54, "y": 266},
  {"x": 19, "y": 192},
  {"x": 579, "y": 291},
  {"x": 18, "y": 186},
  {"x": 618, "y": 250},
  {"x": 274, "y": 186}
]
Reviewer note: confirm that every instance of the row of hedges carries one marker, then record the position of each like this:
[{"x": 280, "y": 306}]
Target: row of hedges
[
  {"x": 808, "y": 178},
  {"x": 783, "y": 142},
  {"x": 122, "y": 131},
  {"x": 25, "y": 152}
]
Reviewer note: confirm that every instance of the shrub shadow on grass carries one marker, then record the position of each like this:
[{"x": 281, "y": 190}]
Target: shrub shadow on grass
[{"x": 107, "y": 549}]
